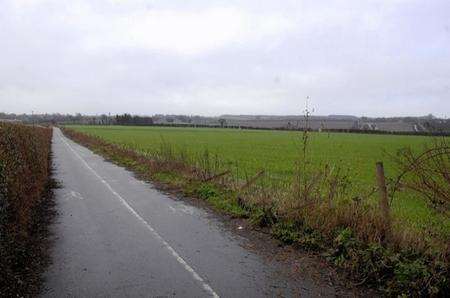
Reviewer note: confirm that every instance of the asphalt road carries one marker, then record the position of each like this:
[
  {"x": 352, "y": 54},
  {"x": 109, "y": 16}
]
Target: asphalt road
[{"x": 116, "y": 236}]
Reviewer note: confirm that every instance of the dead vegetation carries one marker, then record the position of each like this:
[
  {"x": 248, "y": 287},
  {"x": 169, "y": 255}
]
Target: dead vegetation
[
  {"x": 426, "y": 172},
  {"x": 25, "y": 206}
]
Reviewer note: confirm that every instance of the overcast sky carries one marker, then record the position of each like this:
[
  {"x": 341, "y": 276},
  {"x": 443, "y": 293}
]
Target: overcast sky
[{"x": 207, "y": 57}]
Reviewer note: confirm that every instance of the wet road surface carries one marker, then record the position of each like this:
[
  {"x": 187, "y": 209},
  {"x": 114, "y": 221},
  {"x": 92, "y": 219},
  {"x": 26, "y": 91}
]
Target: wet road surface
[{"x": 116, "y": 236}]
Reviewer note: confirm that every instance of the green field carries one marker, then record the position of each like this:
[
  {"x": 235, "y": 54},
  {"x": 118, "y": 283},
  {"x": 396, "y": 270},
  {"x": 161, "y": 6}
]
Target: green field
[{"x": 277, "y": 151}]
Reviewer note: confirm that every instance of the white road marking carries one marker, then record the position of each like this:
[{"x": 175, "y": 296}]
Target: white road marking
[
  {"x": 73, "y": 195},
  {"x": 179, "y": 259}
]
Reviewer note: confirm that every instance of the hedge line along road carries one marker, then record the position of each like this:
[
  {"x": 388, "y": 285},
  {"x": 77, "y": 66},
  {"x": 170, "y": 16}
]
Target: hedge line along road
[{"x": 116, "y": 236}]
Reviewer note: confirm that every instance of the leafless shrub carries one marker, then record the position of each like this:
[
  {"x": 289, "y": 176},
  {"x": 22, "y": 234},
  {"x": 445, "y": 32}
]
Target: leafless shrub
[{"x": 427, "y": 173}]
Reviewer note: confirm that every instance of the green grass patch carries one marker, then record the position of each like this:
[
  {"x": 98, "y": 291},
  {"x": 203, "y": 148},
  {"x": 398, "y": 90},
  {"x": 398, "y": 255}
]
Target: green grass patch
[
  {"x": 220, "y": 199},
  {"x": 248, "y": 151}
]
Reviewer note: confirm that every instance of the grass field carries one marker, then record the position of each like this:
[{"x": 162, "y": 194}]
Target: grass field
[{"x": 277, "y": 151}]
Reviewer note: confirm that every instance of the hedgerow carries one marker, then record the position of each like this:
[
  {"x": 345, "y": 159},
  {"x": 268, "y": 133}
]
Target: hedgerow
[{"x": 25, "y": 168}]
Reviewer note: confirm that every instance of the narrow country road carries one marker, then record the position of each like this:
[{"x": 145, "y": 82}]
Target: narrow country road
[{"x": 116, "y": 236}]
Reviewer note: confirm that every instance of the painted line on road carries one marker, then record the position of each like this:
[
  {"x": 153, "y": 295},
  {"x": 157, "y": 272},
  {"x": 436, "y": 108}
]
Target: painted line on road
[
  {"x": 179, "y": 259},
  {"x": 73, "y": 195}
]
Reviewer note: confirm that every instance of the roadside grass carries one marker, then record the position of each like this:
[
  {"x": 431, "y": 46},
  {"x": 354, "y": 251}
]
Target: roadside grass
[{"x": 314, "y": 207}]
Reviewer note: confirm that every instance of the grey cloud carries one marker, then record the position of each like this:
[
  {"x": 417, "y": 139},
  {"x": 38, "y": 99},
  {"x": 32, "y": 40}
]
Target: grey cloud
[{"x": 377, "y": 58}]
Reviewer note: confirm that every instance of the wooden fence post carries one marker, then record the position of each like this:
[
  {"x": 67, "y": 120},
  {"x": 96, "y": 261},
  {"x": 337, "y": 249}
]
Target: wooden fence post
[{"x": 384, "y": 201}]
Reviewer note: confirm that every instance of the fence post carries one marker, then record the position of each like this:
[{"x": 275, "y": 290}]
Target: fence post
[{"x": 384, "y": 201}]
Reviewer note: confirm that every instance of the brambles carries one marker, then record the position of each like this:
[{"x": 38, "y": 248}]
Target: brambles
[
  {"x": 25, "y": 169},
  {"x": 427, "y": 173}
]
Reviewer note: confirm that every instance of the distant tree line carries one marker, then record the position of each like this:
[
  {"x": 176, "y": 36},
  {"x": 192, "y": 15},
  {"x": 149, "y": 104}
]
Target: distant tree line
[
  {"x": 423, "y": 125},
  {"x": 127, "y": 119},
  {"x": 124, "y": 119}
]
